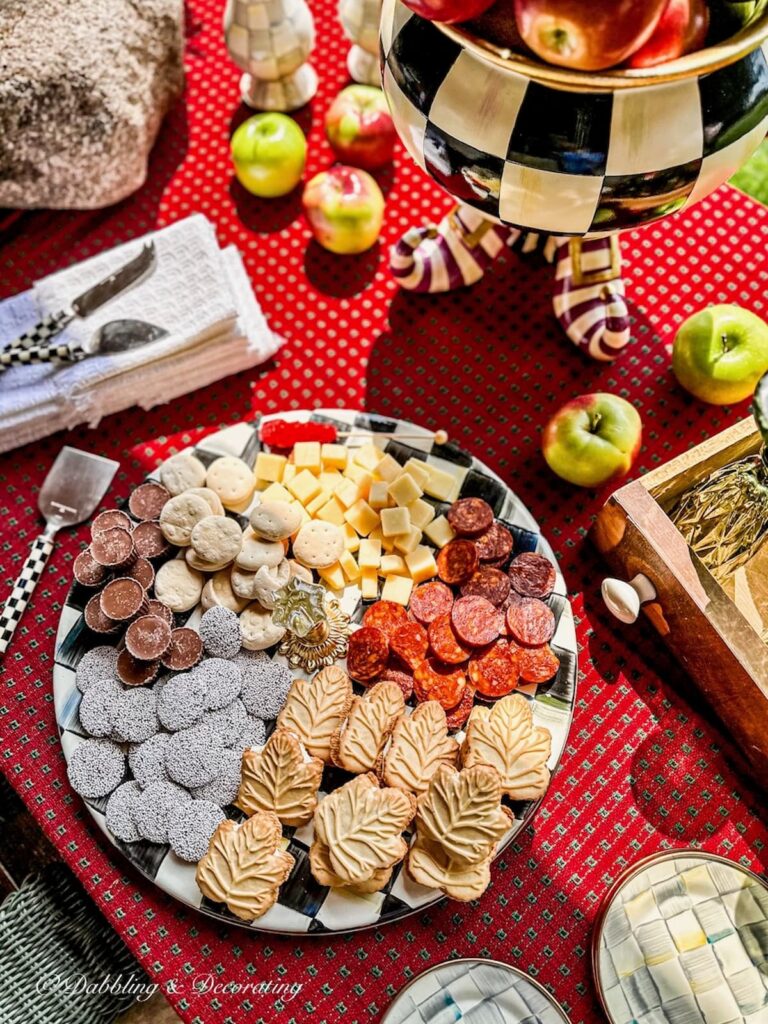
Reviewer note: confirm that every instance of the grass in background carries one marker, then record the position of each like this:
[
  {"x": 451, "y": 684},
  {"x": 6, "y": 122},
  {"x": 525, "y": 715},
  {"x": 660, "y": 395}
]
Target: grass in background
[{"x": 753, "y": 176}]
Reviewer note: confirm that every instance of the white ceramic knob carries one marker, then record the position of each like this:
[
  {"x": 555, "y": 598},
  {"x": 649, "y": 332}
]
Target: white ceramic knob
[{"x": 624, "y": 599}]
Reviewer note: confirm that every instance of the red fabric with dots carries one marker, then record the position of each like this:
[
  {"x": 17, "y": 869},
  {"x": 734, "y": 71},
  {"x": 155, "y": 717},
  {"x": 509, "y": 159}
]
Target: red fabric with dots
[{"x": 644, "y": 768}]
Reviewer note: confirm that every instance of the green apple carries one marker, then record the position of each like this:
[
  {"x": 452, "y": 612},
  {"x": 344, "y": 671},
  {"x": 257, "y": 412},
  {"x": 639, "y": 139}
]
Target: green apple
[
  {"x": 269, "y": 152},
  {"x": 592, "y": 439},
  {"x": 720, "y": 353}
]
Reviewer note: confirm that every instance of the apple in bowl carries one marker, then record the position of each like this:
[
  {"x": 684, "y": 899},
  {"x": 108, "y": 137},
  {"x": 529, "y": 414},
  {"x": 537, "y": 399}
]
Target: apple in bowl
[
  {"x": 345, "y": 209},
  {"x": 593, "y": 439},
  {"x": 359, "y": 127}
]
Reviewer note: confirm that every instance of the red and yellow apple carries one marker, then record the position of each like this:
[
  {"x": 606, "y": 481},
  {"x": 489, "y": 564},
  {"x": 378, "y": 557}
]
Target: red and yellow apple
[
  {"x": 592, "y": 439},
  {"x": 345, "y": 209},
  {"x": 720, "y": 353},
  {"x": 359, "y": 127},
  {"x": 448, "y": 10},
  {"x": 269, "y": 152},
  {"x": 682, "y": 29},
  {"x": 588, "y": 35}
]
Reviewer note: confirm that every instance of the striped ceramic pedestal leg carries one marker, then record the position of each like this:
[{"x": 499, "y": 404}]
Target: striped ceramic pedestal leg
[{"x": 589, "y": 295}]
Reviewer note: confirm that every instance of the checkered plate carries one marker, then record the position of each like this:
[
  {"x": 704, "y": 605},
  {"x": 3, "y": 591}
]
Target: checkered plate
[{"x": 303, "y": 905}]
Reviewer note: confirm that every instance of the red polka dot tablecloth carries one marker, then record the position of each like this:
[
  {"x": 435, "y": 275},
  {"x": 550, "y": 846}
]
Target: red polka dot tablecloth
[{"x": 644, "y": 769}]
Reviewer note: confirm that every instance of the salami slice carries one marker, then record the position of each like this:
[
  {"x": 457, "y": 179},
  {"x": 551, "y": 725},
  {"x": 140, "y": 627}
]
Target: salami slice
[
  {"x": 495, "y": 672},
  {"x": 457, "y": 717},
  {"x": 476, "y": 621},
  {"x": 529, "y": 621},
  {"x": 495, "y": 545},
  {"x": 386, "y": 616},
  {"x": 469, "y": 517},
  {"x": 532, "y": 575},
  {"x": 429, "y": 601},
  {"x": 403, "y": 680},
  {"x": 492, "y": 584},
  {"x": 433, "y": 681},
  {"x": 410, "y": 644},
  {"x": 457, "y": 561},
  {"x": 445, "y": 645},
  {"x": 538, "y": 664},
  {"x": 367, "y": 654}
]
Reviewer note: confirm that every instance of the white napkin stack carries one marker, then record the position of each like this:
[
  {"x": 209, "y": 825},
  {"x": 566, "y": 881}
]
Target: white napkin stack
[{"x": 199, "y": 293}]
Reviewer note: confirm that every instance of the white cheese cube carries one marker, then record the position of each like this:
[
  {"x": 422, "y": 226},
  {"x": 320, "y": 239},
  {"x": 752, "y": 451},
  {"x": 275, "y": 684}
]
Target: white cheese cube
[
  {"x": 421, "y": 564},
  {"x": 439, "y": 531},
  {"x": 397, "y": 589},
  {"x": 395, "y": 521}
]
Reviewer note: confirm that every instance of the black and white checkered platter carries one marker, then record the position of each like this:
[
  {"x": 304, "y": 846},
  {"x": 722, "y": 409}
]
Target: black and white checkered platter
[
  {"x": 303, "y": 905},
  {"x": 566, "y": 162}
]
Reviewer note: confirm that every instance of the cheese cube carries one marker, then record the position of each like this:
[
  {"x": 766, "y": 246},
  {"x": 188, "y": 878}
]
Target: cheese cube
[
  {"x": 418, "y": 470},
  {"x": 378, "y": 496},
  {"x": 333, "y": 456},
  {"x": 439, "y": 531},
  {"x": 395, "y": 521},
  {"x": 314, "y": 506},
  {"x": 289, "y": 473},
  {"x": 392, "y": 565},
  {"x": 270, "y": 467},
  {"x": 408, "y": 542},
  {"x": 397, "y": 589},
  {"x": 276, "y": 492},
  {"x": 332, "y": 512},
  {"x": 369, "y": 456},
  {"x": 421, "y": 513},
  {"x": 389, "y": 468},
  {"x": 262, "y": 485},
  {"x": 306, "y": 455},
  {"x": 362, "y": 517},
  {"x": 333, "y": 576},
  {"x": 441, "y": 485},
  {"x": 387, "y": 543},
  {"x": 347, "y": 492},
  {"x": 369, "y": 555},
  {"x": 361, "y": 477},
  {"x": 304, "y": 486},
  {"x": 369, "y": 584},
  {"x": 350, "y": 566},
  {"x": 421, "y": 564},
  {"x": 404, "y": 490},
  {"x": 351, "y": 538},
  {"x": 330, "y": 479}
]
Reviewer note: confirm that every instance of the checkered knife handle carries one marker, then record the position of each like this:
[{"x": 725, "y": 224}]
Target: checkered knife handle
[
  {"x": 24, "y": 588},
  {"x": 43, "y": 331}
]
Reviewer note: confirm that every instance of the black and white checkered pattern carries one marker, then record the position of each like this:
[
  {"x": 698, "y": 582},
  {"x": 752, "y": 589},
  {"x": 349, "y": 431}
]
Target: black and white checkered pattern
[
  {"x": 24, "y": 587},
  {"x": 304, "y": 905},
  {"x": 43, "y": 331},
  {"x": 560, "y": 162},
  {"x": 34, "y": 346}
]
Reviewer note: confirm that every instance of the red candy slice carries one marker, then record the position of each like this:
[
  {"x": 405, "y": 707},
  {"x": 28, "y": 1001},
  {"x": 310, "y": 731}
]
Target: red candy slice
[
  {"x": 367, "y": 654},
  {"x": 410, "y": 644},
  {"x": 387, "y": 616},
  {"x": 285, "y": 433},
  {"x": 457, "y": 561},
  {"x": 429, "y": 601},
  {"x": 532, "y": 575},
  {"x": 496, "y": 671},
  {"x": 530, "y": 621},
  {"x": 433, "y": 681},
  {"x": 444, "y": 642},
  {"x": 476, "y": 621}
]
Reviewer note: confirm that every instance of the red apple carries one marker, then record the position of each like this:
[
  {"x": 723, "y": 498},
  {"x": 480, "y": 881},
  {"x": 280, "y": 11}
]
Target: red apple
[
  {"x": 682, "y": 28},
  {"x": 359, "y": 127},
  {"x": 587, "y": 34},
  {"x": 345, "y": 208},
  {"x": 448, "y": 10}
]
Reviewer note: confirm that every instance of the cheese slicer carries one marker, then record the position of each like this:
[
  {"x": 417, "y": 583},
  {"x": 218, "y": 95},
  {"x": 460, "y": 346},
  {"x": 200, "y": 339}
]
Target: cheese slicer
[{"x": 76, "y": 483}]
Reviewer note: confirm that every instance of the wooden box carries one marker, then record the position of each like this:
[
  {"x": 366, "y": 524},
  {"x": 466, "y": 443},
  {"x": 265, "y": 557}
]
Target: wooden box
[{"x": 717, "y": 632}]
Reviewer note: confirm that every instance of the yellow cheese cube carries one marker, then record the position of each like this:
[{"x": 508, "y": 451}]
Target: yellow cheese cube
[
  {"x": 306, "y": 455},
  {"x": 439, "y": 531},
  {"x": 276, "y": 492},
  {"x": 418, "y": 470},
  {"x": 289, "y": 473},
  {"x": 361, "y": 476},
  {"x": 333, "y": 576},
  {"x": 421, "y": 513},
  {"x": 397, "y": 589},
  {"x": 314, "y": 506},
  {"x": 421, "y": 564},
  {"x": 404, "y": 490},
  {"x": 392, "y": 565},
  {"x": 369, "y": 555},
  {"x": 351, "y": 538},
  {"x": 347, "y": 492},
  {"x": 330, "y": 479},
  {"x": 369, "y": 456},
  {"x": 408, "y": 542},
  {"x": 389, "y": 468},
  {"x": 441, "y": 485},
  {"x": 270, "y": 467},
  {"x": 395, "y": 521},
  {"x": 262, "y": 485},
  {"x": 362, "y": 517},
  {"x": 369, "y": 584},
  {"x": 332, "y": 512},
  {"x": 387, "y": 543},
  {"x": 350, "y": 566},
  {"x": 378, "y": 496},
  {"x": 304, "y": 486},
  {"x": 333, "y": 456}
]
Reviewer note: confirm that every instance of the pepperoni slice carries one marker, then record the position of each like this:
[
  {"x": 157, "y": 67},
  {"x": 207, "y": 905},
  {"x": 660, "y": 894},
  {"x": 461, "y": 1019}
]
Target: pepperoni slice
[
  {"x": 410, "y": 644},
  {"x": 538, "y": 664},
  {"x": 495, "y": 545},
  {"x": 456, "y": 717},
  {"x": 492, "y": 584},
  {"x": 403, "y": 680},
  {"x": 532, "y": 575},
  {"x": 433, "y": 681},
  {"x": 431, "y": 600},
  {"x": 457, "y": 561},
  {"x": 386, "y": 616},
  {"x": 367, "y": 654},
  {"x": 444, "y": 643},
  {"x": 496, "y": 671},
  {"x": 476, "y": 621},
  {"x": 469, "y": 517},
  {"x": 530, "y": 621}
]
